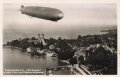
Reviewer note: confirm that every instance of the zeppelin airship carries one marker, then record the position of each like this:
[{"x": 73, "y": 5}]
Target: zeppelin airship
[{"x": 47, "y": 13}]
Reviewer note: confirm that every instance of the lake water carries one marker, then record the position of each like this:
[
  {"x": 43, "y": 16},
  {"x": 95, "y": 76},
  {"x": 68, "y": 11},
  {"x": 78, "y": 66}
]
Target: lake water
[
  {"x": 12, "y": 34},
  {"x": 14, "y": 59}
]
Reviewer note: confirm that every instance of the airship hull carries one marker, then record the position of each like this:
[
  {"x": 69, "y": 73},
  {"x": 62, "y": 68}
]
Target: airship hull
[{"x": 42, "y": 12}]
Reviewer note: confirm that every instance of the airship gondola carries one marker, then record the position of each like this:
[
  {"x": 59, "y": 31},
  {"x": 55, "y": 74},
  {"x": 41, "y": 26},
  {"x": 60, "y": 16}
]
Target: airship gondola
[{"x": 42, "y": 12}]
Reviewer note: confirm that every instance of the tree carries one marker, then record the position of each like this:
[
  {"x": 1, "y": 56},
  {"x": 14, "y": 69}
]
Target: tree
[
  {"x": 81, "y": 59},
  {"x": 15, "y": 43},
  {"x": 8, "y": 43},
  {"x": 51, "y": 41},
  {"x": 79, "y": 37},
  {"x": 33, "y": 38},
  {"x": 24, "y": 43},
  {"x": 100, "y": 56},
  {"x": 73, "y": 61}
]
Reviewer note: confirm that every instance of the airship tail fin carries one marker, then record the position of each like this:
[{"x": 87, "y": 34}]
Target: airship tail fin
[{"x": 22, "y": 6}]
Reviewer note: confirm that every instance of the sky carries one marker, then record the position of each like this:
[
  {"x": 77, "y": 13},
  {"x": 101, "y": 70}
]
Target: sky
[{"x": 78, "y": 19}]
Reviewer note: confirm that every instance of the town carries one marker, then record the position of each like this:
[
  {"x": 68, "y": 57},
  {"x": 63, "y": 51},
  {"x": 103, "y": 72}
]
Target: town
[{"x": 94, "y": 54}]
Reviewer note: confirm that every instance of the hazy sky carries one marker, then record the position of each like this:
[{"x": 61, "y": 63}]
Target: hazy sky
[{"x": 78, "y": 19}]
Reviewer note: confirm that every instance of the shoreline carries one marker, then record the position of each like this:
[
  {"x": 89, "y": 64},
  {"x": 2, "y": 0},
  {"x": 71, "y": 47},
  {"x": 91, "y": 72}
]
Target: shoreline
[{"x": 8, "y": 46}]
